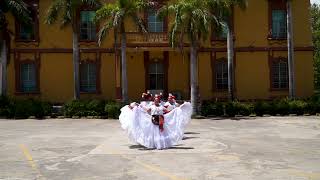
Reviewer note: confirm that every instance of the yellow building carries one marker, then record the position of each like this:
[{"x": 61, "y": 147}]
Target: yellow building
[{"x": 41, "y": 57}]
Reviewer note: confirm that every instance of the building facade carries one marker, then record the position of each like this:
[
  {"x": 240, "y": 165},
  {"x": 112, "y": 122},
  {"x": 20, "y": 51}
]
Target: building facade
[{"x": 41, "y": 57}]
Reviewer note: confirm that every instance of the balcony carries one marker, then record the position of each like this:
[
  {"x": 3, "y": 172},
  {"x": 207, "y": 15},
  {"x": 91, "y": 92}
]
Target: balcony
[{"x": 137, "y": 39}]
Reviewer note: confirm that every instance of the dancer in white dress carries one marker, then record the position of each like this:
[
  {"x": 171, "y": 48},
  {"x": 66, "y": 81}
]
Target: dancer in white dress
[
  {"x": 171, "y": 103},
  {"x": 151, "y": 127}
]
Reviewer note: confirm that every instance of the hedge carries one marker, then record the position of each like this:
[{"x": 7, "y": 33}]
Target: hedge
[
  {"x": 83, "y": 108},
  {"x": 277, "y": 107},
  {"x": 23, "y": 108}
]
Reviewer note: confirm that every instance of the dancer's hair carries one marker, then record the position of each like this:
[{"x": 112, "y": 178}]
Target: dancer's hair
[{"x": 146, "y": 96}]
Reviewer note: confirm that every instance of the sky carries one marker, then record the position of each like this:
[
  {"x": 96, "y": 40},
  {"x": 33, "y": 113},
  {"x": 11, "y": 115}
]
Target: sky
[{"x": 315, "y": 1}]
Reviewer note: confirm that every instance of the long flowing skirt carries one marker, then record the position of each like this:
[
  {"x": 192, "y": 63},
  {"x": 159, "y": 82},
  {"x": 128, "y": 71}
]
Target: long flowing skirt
[{"x": 140, "y": 129}]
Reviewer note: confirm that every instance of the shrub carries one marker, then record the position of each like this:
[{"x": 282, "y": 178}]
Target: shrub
[
  {"x": 297, "y": 107},
  {"x": 205, "y": 108},
  {"x": 74, "y": 108},
  {"x": 281, "y": 107},
  {"x": 212, "y": 108},
  {"x": 231, "y": 109},
  {"x": 245, "y": 109},
  {"x": 261, "y": 108},
  {"x": 237, "y": 108},
  {"x": 95, "y": 108},
  {"x": 83, "y": 108},
  {"x": 6, "y": 107},
  {"x": 30, "y": 107},
  {"x": 112, "y": 109}
]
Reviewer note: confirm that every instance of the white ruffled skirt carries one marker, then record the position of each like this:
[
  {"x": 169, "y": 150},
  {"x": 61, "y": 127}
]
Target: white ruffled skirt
[{"x": 140, "y": 129}]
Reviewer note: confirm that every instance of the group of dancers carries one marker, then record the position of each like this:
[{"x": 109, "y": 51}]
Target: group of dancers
[{"x": 155, "y": 123}]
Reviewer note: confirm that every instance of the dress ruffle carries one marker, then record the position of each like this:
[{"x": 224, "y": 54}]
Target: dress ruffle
[{"x": 140, "y": 129}]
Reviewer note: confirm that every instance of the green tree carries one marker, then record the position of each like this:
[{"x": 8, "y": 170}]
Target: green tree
[
  {"x": 224, "y": 10},
  {"x": 114, "y": 16},
  {"x": 291, "y": 67},
  {"x": 192, "y": 21},
  {"x": 67, "y": 10},
  {"x": 315, "y": 20},
  {"x": 20, "y": 11}
]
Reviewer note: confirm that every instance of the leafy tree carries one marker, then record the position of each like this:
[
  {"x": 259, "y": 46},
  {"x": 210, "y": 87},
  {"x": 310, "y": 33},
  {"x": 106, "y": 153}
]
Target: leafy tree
[
  {"x": 20, "y": 11},
  {"x": 114, "y": 16},
  {"x": 315, "y": 20},
  {"x": 68, "y": 9},
  {"x": 223, "y": 9},
  {"x": 192, "y": 21}
]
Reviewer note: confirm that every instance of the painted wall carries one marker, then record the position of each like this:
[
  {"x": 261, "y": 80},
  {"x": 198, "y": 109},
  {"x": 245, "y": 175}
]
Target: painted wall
[{"x": 252, "y": 68}]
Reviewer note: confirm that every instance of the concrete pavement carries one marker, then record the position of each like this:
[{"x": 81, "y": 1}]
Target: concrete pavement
[{"x": 270, "y": 148}]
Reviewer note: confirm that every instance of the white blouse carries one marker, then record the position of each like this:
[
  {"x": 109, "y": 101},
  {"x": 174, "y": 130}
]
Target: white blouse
[
  {"x": 157, "y": 110},
  {"x": 145, "y": 104},
  {"x": 170, "y": 106}
]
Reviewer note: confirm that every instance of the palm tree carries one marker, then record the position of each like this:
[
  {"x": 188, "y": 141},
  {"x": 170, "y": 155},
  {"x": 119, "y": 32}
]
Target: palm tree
[
  {"x": 292, "y": 89},
  {"x": 20, "y": 11},
  {"x": 114, "y": 16},
  {"x": 68, "y": 10},
  {"x": 224, "y": 9},
  {"x": 192, "y": 18}
]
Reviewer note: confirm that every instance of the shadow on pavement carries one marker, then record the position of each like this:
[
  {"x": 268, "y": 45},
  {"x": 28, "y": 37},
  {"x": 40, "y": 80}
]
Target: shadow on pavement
[
  {"x": 186, "y": 138},
  {"x": 191, "y": 133},
  {"x": 142, "y": 148}
]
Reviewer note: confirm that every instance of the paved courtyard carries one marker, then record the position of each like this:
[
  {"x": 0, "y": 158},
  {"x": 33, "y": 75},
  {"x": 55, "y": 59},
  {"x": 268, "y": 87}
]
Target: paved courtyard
[{"x": 277, "y": 148}]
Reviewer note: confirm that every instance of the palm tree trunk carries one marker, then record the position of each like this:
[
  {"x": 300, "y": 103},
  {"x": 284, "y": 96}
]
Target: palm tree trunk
[
  {"x": 194, "y": 77},
  {"x": 124, "y": 78},
  {"x": 230, "y": 63},
  {"x": 76, "y": 61},
  {"x": 291, "y": 71},
  {"x": 4, "y": 68}
]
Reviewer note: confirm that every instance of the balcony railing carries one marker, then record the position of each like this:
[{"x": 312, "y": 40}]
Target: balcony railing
[{"x": 147, "y": 38}]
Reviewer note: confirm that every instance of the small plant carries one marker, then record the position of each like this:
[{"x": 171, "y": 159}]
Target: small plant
[
  {"x": 212, "y": 108},
  {"x": 261, "y": 108},
  {"x": 297, "y": 107},
  {"x": 74, "y": 108},
  {"x": 112, "y": 109},
  {"x": 231, "y": 109},
  {"x": 7, "y": 107},
  {"x": 95, "y": 108},
  {"x": 281, "y": 107},
  {"x": 237, "y": 108}
]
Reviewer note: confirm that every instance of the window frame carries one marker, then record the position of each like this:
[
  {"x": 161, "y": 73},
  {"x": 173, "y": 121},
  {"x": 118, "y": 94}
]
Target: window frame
[
  {"x": 148, "y": 60},
  {"x": 273, "y": 61},
  {"x": 86, "y": 8},
  {"x": 214, "y": 74},
  {"x": 159, "y": 4},
  {"x": 79, "y": 28},
  {"x": 224, "y": 62},
  {"x": 18, "y": 64},
  {"x": 21, "y": 77},
  {"x": 275, "y": 5},
  {"x": 98, "y": 83},
  {"x": 155, "y": 22},
  {"x": 158, "y": 62},
  {"x": 33, "y": 6}
]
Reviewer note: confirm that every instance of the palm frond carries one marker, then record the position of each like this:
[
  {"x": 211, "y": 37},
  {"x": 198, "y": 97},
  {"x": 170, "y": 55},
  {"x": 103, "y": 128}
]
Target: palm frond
[
  {"x": 140, "y": 23},
  {"x": 67, "y": 14},
  {"x": 19, "y": 9},
  {"x": 54, "y": 10},
  {"x": 92, "y": 3},
  {"x": 104, "y": 31}
]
